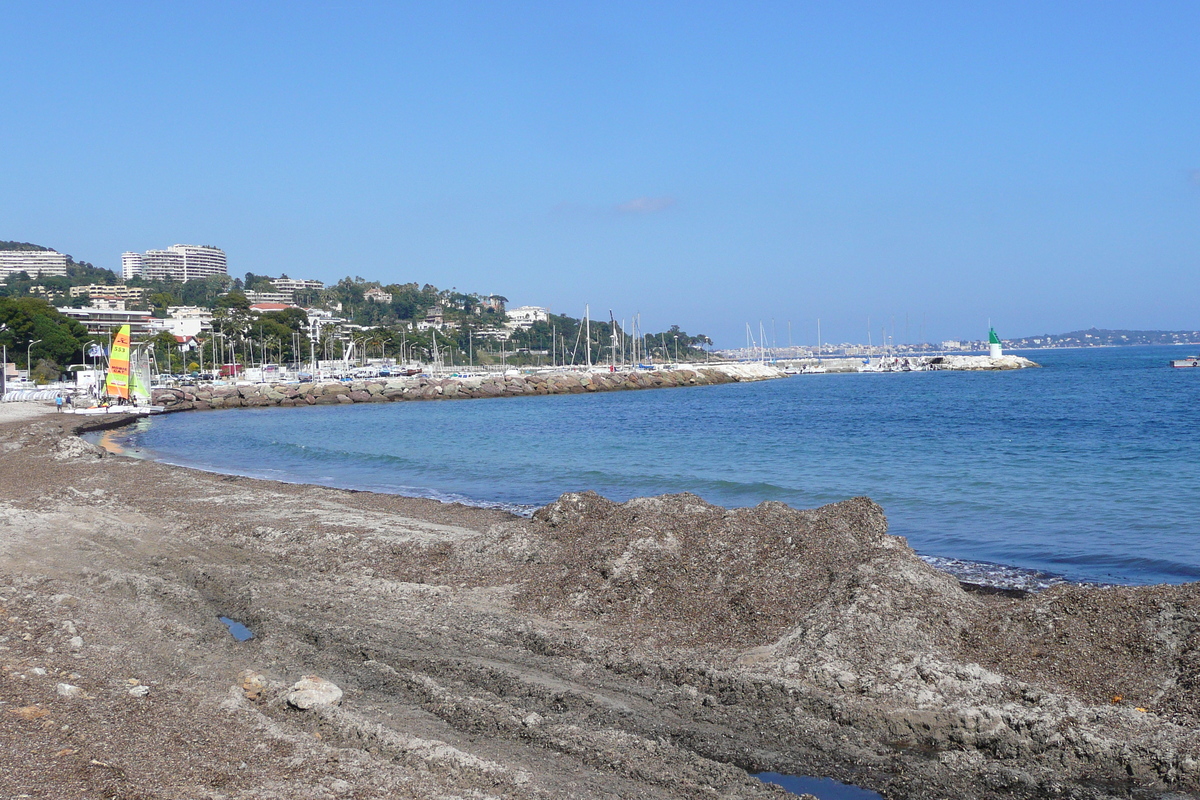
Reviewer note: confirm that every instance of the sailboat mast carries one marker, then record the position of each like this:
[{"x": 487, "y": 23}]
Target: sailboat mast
[{"x": 612, "y": 337}]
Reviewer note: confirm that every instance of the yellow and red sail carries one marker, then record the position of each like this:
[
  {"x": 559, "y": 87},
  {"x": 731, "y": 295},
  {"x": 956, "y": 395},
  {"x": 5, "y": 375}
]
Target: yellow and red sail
[{"x": 117, "y": 384}]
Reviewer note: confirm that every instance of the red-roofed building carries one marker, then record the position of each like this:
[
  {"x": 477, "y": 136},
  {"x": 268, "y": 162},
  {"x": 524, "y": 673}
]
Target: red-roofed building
[{"x": 263, "y": 307}]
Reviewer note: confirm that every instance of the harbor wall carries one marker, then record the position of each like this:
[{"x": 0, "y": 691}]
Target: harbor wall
[{"x": 427, "y": 387}]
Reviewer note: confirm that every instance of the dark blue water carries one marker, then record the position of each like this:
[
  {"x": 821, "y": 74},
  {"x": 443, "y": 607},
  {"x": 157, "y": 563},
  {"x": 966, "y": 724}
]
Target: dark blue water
[
  {"x": 1088, "y": 468},
  {"x": 236, "y": 629},
  {"x": 822, "y": 788}
]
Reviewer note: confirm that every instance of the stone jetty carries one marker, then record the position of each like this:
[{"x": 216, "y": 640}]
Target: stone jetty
[
  {"x": 430, "y": 387},
  {"x": 954, "y": 363}
]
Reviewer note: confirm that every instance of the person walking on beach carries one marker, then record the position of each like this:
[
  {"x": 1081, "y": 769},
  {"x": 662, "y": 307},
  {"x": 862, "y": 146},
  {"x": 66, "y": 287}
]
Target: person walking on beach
[{"x": 58, "y": 403}]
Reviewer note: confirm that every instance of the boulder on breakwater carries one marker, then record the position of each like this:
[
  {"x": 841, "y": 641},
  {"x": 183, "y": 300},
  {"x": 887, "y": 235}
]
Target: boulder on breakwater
[{"x": 429, "y": 387}]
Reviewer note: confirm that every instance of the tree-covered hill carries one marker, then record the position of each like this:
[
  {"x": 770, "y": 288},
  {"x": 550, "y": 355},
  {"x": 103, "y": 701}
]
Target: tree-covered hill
[
  {"x": 1103, "y": 337},
  {"x": 384, "y": 318},
  {"x": 25, "y": 246},
  {"x": 57, "y": 288}
]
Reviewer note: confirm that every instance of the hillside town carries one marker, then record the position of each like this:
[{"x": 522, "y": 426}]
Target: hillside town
[{"x": 200, "y": 321}]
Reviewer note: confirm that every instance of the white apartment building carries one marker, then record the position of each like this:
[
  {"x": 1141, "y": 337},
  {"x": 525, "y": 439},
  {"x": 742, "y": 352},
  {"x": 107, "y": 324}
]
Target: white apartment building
[
  {"x": 120, "y": 291},
  {"x": 131, "y": 265},
  {"x": 270, "y": 297},
  {"x": 107, "y": 304},
  {"x": 294, "y": 284},
  {"x": 525, "y": 316},
  {"x": 34, "y": 262},
  {"x": 184, "y": 321},
  {"x": 498, "y": 334},
  {"x": 104, "y": 321},
  {"x": 190, "y": 312},
  {"x": 179, "y": 262}
]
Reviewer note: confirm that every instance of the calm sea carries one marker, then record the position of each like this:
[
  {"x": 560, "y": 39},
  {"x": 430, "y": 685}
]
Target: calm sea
[{"x": 1087, "y": 469}]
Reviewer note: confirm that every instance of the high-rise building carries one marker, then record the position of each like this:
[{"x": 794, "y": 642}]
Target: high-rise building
[
  {"x": 131, "y": 265},
  {"x": 34, "y": 262},
  {"x": 179, "y": 262}
]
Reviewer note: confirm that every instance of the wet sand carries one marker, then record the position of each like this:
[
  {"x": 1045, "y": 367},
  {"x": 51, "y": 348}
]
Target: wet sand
[{"x": 658, "y": 648}]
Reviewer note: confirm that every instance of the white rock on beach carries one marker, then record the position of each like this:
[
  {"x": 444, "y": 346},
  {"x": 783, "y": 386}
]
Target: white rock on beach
[
  {"x": 68, "y": 690},
  {"x": 312, "y": 691},
  {"x": 73, "y": 447}
]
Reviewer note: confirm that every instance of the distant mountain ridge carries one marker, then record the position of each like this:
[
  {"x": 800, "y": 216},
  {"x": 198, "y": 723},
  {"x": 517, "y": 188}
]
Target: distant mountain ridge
[{"x": 1104, "y": 337}]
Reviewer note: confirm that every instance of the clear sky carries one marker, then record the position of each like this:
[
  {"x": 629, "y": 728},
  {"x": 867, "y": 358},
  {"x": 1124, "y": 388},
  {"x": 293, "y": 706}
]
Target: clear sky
[{"x": 706, "y": 164}]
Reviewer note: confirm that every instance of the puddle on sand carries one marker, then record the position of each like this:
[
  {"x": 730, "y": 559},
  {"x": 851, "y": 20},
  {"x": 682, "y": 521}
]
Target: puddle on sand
[
  {"x": 237, "y": 629},
  {"x": 822, "y": 788}
]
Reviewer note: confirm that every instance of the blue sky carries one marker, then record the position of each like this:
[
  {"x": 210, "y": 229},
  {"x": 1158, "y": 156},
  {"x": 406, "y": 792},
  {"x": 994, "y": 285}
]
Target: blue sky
[{"x": 711, "y": 165}]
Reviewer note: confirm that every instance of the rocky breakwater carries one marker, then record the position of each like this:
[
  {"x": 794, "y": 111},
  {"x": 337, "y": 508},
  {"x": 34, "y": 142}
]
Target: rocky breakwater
[
  {"x": 976, "y": 363},
  {"x": 428, "y": 387}
]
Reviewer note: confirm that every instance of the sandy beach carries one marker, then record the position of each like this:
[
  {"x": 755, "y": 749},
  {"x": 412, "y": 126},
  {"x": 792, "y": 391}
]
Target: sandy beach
[{"x": 660, "y": 648}]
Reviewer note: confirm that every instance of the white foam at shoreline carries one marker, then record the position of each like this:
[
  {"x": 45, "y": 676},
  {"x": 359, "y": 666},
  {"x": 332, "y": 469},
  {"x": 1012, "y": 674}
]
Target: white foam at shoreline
[{"x": 997, "y": 576}]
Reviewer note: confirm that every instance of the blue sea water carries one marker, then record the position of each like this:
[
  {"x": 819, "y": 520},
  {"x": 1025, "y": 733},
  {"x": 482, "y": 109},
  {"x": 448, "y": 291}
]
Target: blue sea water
[
  {"x": 1087, "y": 468},
  {"x": 822, "y": 788}
]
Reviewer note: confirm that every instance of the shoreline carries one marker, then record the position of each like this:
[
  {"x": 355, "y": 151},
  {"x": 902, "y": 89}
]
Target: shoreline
[
  {"x": 425, "y": 387},
  {"x": 986, "y": 575},
  {"x": 659, "y": 648}
]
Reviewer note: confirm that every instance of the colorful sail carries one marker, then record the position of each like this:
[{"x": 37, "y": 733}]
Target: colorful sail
[
  {"x": 139, "y": 376},
  {"x": 117, "y": 384}
]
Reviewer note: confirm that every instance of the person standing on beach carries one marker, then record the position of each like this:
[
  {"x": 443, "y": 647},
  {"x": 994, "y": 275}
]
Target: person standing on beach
[{"x": 58, "y": 401}]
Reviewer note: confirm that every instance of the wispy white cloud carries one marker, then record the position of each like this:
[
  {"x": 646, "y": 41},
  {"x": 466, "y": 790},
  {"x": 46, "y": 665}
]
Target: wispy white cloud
[{"x": 645, "y": 205}]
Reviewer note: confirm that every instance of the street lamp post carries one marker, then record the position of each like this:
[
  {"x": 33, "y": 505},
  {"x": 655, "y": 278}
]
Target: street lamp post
[
  {"x": 3, "y": 365},
  {"x": 86, "y": 345},
  {"x": 676, "y": 349},
  {"x": 29, "y": 359}
]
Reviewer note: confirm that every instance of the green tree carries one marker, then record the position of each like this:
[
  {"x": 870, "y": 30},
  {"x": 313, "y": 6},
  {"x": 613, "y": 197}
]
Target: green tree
[
  {"x": 257, "y": 283},
  {"x": 45, "y": 372},
  {"x": 160, "y": 301},
  {"x": 166, "y": 352},
  {"x": 31, "y": 318},
  {"x": 291, "y": 318},
  {"x": 203, "y": 291},
  {"x": 234, "y": 299}
]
